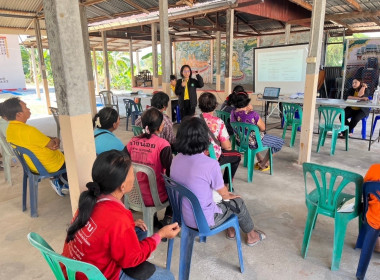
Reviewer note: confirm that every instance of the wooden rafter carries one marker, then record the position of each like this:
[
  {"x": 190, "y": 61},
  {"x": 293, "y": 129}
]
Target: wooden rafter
[
  {"x": 17, "y": 13},
  {"x": 355, "y": 4},
  {"x": 303, "y": 4},
  {"x": 92, "y": 2},
  {"x": 376, "y": 20},
  {"x": 137, "y": 6},
  {"x": 246, "y": 23}
]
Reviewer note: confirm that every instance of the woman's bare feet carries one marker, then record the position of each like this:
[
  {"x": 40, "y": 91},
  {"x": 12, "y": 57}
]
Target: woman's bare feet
[
  {"x": 254, "y": 237},
  {"x": 231, "y": 234}
]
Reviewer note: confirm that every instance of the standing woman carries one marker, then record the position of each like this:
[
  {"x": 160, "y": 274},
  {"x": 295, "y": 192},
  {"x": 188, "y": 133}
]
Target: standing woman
[
  {"x": 359, "y": 91},
  {"x": 186, "y": 89}
]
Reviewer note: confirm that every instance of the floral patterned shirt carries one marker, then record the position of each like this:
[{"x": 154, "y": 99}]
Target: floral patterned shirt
[
  {"x": 251, "y": 117},
  {"x": 218, "y": 128}
]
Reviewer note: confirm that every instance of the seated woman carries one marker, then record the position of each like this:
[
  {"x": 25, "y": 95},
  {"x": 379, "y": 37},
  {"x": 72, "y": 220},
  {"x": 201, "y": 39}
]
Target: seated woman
[
  {"x": 218, "y": 135},
  {"x": 201, "y": 174},
  {"x": 105, "y": 122},
  {"x": 359, "y": 91},
  {"x": 160, "y": 101},
  {"x": 102, "y": 232},
  {"x": 151, "y": 150},
  {"x": 243, "y": 112}
]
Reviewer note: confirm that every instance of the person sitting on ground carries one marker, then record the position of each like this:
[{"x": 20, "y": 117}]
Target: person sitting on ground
[
  {"x": 45, "y": 148},
  {"x": 218, "y": 135},
  {"x": 105, "y": 122},
  {"x": 103, "y": 232},
  {"x": 160, "y": 101},
  {"x": 155, "y": 152},
  {"x": 228, "y": 107},
  {"x": 373, "y": 212},
  {"x": 201, "y": 174},
  {"x": 244, "y": 112},
  {"x": 173, "y": 82},
  {"x": 359, "y": 91}
]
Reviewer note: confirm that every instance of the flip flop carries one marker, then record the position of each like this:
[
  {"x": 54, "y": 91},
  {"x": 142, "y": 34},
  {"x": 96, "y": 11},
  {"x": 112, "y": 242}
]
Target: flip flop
[
  {"x": 230, "y": 237},
  {"x": 261, "y": 235},
  {"x": 257, "y": 167},
  {"x": 265, "y": 169}
]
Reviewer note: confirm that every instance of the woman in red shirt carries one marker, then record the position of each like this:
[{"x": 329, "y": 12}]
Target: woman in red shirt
[{"x": 103, "y": 231}]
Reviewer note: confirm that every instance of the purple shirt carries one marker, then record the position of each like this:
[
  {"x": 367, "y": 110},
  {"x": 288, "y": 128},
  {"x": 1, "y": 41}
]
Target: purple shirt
[
  {"x": 200, "y": 174},
  {"x": 251, "y": 117}
]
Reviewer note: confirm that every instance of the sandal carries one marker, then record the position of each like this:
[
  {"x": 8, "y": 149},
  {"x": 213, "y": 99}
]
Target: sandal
[
  {"x": 229, "y": 237},
  {"x": 261, "y": 235},
  {"x": 265, "y": 169},
  {"x": 257, "y": 166}
]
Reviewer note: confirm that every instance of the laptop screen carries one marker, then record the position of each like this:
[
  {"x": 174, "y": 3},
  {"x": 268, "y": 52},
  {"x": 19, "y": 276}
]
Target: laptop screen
[{"x": 271, "y": 92}]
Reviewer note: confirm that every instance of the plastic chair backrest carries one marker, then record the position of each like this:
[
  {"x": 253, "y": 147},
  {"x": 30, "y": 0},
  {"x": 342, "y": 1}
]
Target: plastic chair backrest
[
  {"x": 330, "y": 114},
  {"x": 54, "y": 260},
  {"x": 243, "y": 132},
  {"x": 109, "y": 100},
  {"x": 130, "y": 106},
  {"x": 21, "y": 152},
  {"x": 225, "y": 116},
  {"x": 137, "y": 130},
  {"x": 289, "y": 111},
  {"x": 135, "y": 199},
  {"x": 55, "y": 113},
  {"x": 5, "y": 146},
  {"x": 329, "y": 188},
  {"x": 370, "y": 188},
  {"x": 177, "y": 193},
  {"x": 211, "y": 151}
]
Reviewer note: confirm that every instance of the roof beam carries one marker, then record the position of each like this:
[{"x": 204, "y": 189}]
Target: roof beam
[
  {"x": 92, "y": 2},
  {"x": 303, "y": 4},
  {"x": 246, "y": 23},
  {"x": 17, "y": 13},
  {"x": 137, "y": 6},
  {"x": 355, "y": 4},
  {"x": 20, "y": 31}
]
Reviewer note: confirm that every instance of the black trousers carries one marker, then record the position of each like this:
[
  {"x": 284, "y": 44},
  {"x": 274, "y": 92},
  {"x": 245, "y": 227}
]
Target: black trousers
[
  {"x": 232, "y": 157},
  {"x": 355, "y": 115},
  {"x": 187, "y": 110}
]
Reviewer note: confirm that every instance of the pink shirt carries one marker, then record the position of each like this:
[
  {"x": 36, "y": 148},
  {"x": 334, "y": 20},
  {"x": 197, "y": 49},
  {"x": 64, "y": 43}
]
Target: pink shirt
[{"x": 218, "y": 128}]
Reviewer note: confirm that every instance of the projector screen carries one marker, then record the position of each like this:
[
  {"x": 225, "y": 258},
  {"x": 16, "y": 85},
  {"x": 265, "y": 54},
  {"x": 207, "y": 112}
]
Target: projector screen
[{"x": 281, "y": 66}]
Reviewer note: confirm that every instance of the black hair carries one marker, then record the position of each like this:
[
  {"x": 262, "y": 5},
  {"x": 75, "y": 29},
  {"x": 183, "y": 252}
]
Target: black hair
[
  {"x": 1, "y": 110},
  {"x": 160, "y": 100},
  {"x": 11, "y": 107},
  {"x": 238, "y": 99},
  {"x": 207, "y": 102},
  {"x": 109, "y": 171},
  {"x": 183, "y": 67},
  {"x": 173, "y": 77},
  {"x": 151, "y": 121},
  {"x": 192, "y": 137},
  {"x": 236, "y": 90},
  {"x": 107, "y": 117}
]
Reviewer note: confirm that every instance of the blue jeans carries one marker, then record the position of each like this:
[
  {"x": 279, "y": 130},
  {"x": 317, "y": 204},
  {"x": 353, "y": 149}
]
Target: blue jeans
[{"x": 159, "y": 274}]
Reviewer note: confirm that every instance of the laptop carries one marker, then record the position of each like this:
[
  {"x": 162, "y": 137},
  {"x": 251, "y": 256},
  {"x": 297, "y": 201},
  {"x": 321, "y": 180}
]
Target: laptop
[{"x": 271, "y": 93}]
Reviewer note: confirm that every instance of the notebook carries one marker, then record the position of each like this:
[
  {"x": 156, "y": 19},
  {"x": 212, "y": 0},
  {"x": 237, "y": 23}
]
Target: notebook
[{"x": 271, "y": 93}]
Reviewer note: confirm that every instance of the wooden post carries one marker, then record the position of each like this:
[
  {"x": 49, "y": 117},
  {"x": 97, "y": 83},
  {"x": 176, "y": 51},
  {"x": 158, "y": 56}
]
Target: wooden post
[
  {"x": 131, "y": 62},
  {"x": 229, "y": 49},
  {"x": 154, "y": 56},
  {"x": 35, "y": 76},
  {"x": 288, "y": 28},
  {"x": 312, "y": 72},
  {"x": 107, "y": 82},
  {"x": 95, "y": 69},
  {"x": 218, "y": 60}
]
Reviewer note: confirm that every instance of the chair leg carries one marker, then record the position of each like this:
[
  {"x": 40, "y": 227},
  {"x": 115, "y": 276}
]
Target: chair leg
[
  {"x": 250, "y": 167},
  {"x": 339, "y": 235},
  {"x": 187, "y": 243},
  {"x": 270, "y": 160},
  {"x": 24, "y": 191},
  {"x": 374, "y": 125},
  {"x": 311, "y": 217},
  {"x": 7, "y": 168},
  {"x": 367, "y": 250},
  {"x": 364, "y": 128},
  {"x": 284, "y": 131},
  {"x": 320, "y": 140},
  {"x": 169, "y": 253},
  {"x": 294, "y": 133},
  {"x": 334, "y": 138},
  {"x": 148, "y": 214},
  {"x": 127, "y": 119},
  {"x": 33, "y": 193},
  {"x": 238, "y": 245},
  {"x": 362, "y": 234},
  {"x": 245, "y": 159},
  {"x": 347, "y": 141}
]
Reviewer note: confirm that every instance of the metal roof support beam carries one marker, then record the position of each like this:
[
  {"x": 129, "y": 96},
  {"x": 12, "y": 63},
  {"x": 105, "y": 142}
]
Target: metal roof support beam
[
  {"x": 71, "y": 88},
  {"x": 229, "y": 51},
  {"x": 312, "y": 72}
]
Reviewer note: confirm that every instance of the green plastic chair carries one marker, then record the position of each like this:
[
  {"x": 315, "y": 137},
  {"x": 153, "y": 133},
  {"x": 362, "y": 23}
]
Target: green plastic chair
[
  {"x": 211, "y": 151},
  {"x": 54, "y": 260},
  {"x": 226, "y": 117},
  {"x": 325, "y": 199},
  {"x": 137, "y": 130},
  {"x": 242, "y": 132},
  {"x": 289, "y": 113},
  {"x": 330, "y": 114}
]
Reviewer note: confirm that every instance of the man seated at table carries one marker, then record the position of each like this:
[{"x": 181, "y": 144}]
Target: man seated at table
[{"x": 45, "y": 148}]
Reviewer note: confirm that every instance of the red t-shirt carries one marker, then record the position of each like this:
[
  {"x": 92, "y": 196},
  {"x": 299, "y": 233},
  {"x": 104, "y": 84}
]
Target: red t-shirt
[{"x": 109, "y": 240}]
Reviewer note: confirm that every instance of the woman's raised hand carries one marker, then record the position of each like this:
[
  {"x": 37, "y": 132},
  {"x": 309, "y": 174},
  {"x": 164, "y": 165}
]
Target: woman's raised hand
[{"x": 169, "y": 231}]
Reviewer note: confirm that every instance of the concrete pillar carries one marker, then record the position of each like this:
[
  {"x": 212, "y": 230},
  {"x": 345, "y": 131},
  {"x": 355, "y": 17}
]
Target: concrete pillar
[
  {"x": 165, "y": 51},
  {"x": 312, "y": 71},
  {"x": 35, "y": 76},
  {"x": 95, "y": 70},
  {"x": 212, "y": 60},
  {"x": 174, "y": 61},
  {"x": 229, "y": 49},
  {"x": 287, "y": 33},
  {"x": 218, "y": 60},
  {"x": 171, "y": 54},
  {"x": 131, "y": 63},
  {"x": 107, "y": 82},
  {"x": 70, "y": 79},
  {"x": 87, "y": 57},
  {"x": 42, "y": 62},
  {"x": 154, "y": 56}
]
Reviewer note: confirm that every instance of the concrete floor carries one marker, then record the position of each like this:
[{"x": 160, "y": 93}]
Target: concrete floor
[{"x": 276, "y": 203}]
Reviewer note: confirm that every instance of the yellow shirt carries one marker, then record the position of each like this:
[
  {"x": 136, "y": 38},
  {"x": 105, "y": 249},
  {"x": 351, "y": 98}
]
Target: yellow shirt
[
  {"x": 186, "y": 95},
  {"x": 173, "y": 88},
  {"x": 29, "y": 137},
  {"x": 355, "y": 94}
]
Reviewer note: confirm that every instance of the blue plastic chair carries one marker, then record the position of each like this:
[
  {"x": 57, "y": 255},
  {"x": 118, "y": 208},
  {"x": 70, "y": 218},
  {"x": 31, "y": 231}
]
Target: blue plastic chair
[
  {"x": 374, "y": 124},
  {"x": 364, "y": 128},
  {"x": 330, "y": 114},
  {"x": 211, "y": 151},
  {"x": 367, "y": 235},
  {"x": 325, "y": 199},
  {"x": 177, "y": 193},
  {"x": 55, "y": 260},
  {"x": 132, "y": 110},
  {"x": 34, "y": 178}
]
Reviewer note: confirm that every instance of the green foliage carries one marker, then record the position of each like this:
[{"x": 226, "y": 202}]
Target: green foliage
[{"x": 146, "y": 63}]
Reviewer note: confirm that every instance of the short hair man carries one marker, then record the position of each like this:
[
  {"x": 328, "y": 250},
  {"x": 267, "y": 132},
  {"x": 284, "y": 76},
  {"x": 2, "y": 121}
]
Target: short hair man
[
  {"x": 45, "y": 148},
  {"x": 173, "y": 82}
]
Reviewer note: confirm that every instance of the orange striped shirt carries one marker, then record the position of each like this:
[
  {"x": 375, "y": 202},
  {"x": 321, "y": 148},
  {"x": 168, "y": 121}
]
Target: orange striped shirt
[{"x": 373, "y": 213}]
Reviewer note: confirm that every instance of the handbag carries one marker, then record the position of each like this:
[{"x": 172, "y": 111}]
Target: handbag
[{"x": 143, "y": 271}]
